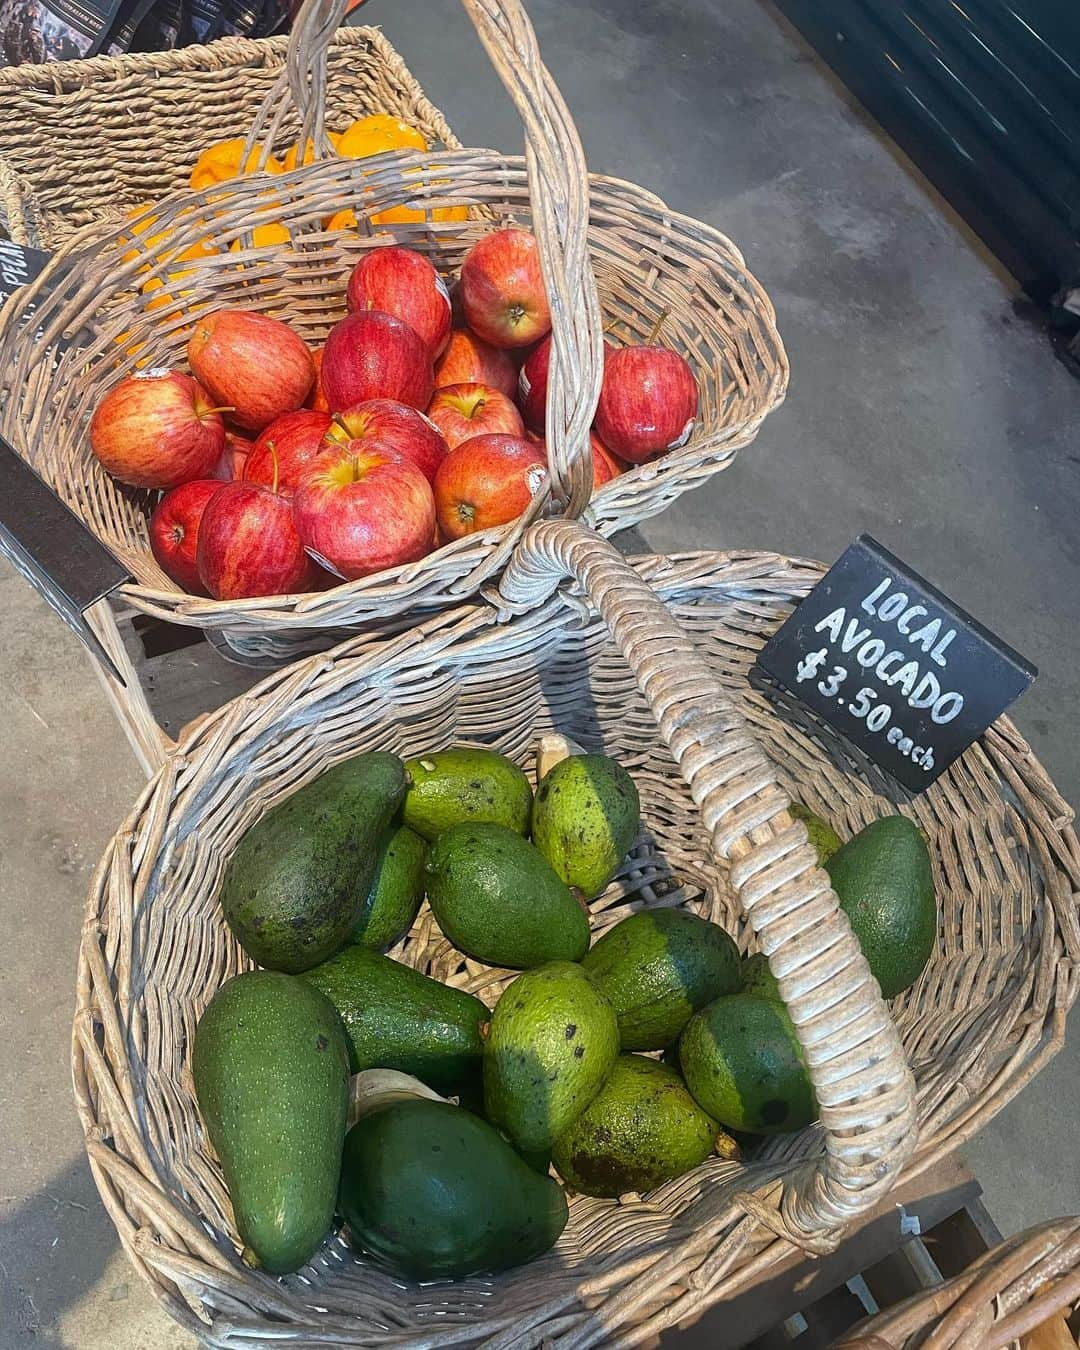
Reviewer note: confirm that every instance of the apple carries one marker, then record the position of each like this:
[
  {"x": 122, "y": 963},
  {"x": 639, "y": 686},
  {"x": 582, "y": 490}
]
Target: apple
[
  {"x": 375, "y": 355},
  {"x": 469, "y": 360},
  {"x": 233, "y": 457},
  {"x": 401, "y": 282},
  {"x": 383, "y": 424},
  {"x": 486, "y": 482},
  {"x": 605, "y": 465},
  {"x": 361, "y": 509},
  {"x": 157, "y": 429},
  {"x": 502, "y": 289},
  {"x": 317, "y": 399},
  {"x": 248, "y": 545},
  {"x": 254, "y": 364},
  {"x": 286, "y": 448},
  {"x": 648, "y": 402},
  {"x": 174, "y": 531},
  {"x": 532, "y": 385},
  {"x": 462, "y": 411}
]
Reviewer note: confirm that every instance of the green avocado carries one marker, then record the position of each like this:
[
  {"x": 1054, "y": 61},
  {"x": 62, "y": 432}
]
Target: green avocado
[
  {"x": 498, "y": 901},
  {"x": 396, "y": 892},
  {"x": 438, "y": 1194},
  {"x": 657, "y": 967},
  {"x": 553, "y": 1040},
  {"x": 743, "y": 1065},
  {"x": 759, "y": 979},
  {"x": 271, "y": 1075},
  {"x": 397, "y": 1018},
  {"x": 641, "y": 1129},
  {"x": 297, "y": 881},
  {"x": 885, "y": 885},
  {"x": 584, "y": 820},
  {"x": 822, "y": 835},
  {"x": 453, "y": 787}
]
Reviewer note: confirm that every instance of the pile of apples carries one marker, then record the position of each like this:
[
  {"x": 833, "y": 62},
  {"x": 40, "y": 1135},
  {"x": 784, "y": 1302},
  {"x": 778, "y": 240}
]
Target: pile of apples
[{"x": 288, "y": 469}]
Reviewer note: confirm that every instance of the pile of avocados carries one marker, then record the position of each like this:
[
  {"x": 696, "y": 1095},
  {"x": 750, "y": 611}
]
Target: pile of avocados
[{"x": 335, "y": 1080}]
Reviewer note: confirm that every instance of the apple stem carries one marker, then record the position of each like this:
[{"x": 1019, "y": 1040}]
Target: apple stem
[
  {"x": 339, "y": 422},
  {"x": 208, "y": 412},
  {"x": 661, "y": 319},
  {"x": 274, "y": 460}
]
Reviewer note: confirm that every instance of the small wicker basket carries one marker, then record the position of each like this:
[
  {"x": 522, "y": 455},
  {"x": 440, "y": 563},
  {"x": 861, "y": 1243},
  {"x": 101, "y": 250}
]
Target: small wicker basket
[
  {"x": 66, "y": 338},
  {"x": 90, "y": 140},
  {"x": 996, "y": 1304},
  {"x": 658, "y": 680}
]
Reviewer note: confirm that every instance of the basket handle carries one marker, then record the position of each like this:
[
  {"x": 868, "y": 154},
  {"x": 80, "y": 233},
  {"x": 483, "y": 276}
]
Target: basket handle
[
  {"x": 558, "y": 196},
  {"x": 864, "y": 1087}
]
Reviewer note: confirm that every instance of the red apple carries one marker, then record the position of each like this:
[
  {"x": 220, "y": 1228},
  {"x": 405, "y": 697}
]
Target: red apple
[
  {"x": 502, "y": 289},
  {"x": 317, "y": 399},
  {"x": 233, "y": 458},
  {"x": 361, "y": 510},
  {"x": 248, "y": 545},
  {"x": 157, "y": 430},
  {"x": 174, "y": 531},
  {"x": 383, "y": 424},
  {"x": 403, "y": 283},
  {"x": 486, "y": 482},
  {"x": 286, "y": 448},
  {"x": 375, "y": 355},
  {"x": 532, "y": 383},
  {"x": 252, "y": 363},
  {"x": 648, "y": 402},
  {"x": 462, "y": 411},
  {"x": 469, "y": 360},
  {"x": 605, "y": 465}
]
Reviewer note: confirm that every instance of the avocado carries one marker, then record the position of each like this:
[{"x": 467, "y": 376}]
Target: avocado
[
  {"x": 553, "y": 1040},
  {"x": 885, "y": 885},
  {"x": 584, "y": 820},
  {"x": 456, "y": 786},
  {"x": 396, "y": 892},
  {"x": 438, "y": 1194},
  {"x": 641, "y": 1129},
  {"x": 271, "y": 1075},
  {"x": 759, "y": 979},
  {"x": 743, "y": 1065},
  {"x": 397, "y": 1018},
  {"x": 657, "y": 967},
  {"x": 296, "y": 883},
  {"x": 498, "y": 901},
  {"x": 822, "y": 835}
]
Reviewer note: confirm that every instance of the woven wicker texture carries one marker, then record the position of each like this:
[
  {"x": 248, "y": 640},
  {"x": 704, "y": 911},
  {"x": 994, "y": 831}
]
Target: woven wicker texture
[
  {"x": 1005, "y": 1295},
  {"x": 646, "y": 260},
  {"x": 86, "y": 140},
  {"x": 988, "y": 1011}
]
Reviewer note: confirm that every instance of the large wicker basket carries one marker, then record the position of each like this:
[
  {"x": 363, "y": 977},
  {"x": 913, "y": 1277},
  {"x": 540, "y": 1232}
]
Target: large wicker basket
[
  {"x": 70, "y": 335},
  {"x": 660, "y": 681},
  {"x": 89, "y": 140},
  {"x": 1022, "y": 1284}
]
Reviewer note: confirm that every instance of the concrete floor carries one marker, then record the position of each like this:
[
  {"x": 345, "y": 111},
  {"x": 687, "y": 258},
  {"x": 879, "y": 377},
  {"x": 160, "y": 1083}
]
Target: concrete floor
[{"x": 922, "y": 409}]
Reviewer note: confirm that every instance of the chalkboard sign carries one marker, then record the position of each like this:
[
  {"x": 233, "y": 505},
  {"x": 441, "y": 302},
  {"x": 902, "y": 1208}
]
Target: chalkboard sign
[
  {"x": 18, "y": 265},
  {"x": 898, "y": 669}
]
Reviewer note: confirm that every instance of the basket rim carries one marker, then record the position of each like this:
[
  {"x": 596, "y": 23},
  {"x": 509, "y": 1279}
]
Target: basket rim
[{"x": 707, "y": 453}]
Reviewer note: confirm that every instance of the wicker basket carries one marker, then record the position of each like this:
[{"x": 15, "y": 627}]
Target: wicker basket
[
  {"x": 1003, "y": 1297},
  {"x": 646, "y": 260},
  {"x": 89, "y": 140},
  {"x": 988, "y": 1011}
]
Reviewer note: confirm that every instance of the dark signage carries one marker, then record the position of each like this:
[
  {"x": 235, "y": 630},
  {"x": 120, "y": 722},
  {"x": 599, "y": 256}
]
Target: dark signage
[{"x": 889, "y": 661}]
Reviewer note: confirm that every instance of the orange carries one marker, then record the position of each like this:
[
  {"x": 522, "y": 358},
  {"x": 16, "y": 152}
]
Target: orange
[
  {"x": 396, "y": 215},
  {"x": 342, "y": 220},
  {"x": 293, "y": 151},
  {"x": 375, "y": 134},
  {"x": 263, "y": 235},
  {"x": 202, "y": 248},
  {"x": 222, "y": 161}
]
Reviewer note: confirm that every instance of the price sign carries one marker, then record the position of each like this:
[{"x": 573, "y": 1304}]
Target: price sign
[{"x": 889, "y": 661}]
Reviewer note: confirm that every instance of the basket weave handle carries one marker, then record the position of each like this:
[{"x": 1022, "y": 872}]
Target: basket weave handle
[
  {"x": 558, "y": 196},
  {"x": 864, "y": 1087}
]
